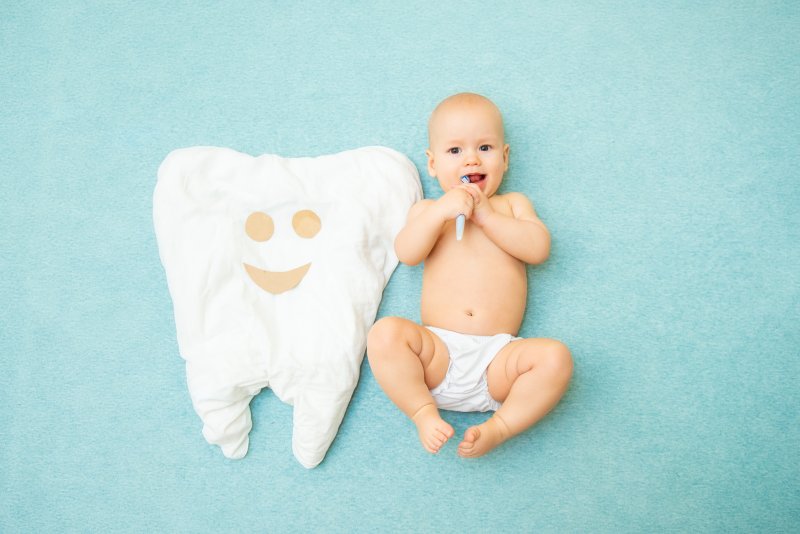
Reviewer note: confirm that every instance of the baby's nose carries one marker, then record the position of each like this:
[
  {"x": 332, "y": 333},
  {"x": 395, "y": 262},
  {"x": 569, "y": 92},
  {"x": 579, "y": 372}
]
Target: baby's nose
[{"x": 472, "y": 157}]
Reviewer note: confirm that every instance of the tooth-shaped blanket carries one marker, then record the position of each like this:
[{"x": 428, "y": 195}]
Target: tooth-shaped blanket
[{"x": 276, "y": 267}]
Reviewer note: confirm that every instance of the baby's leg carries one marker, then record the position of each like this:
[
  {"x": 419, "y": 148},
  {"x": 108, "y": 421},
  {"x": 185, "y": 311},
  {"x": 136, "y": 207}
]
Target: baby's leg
[
  {"x": 408, "y": 361},
  {"x": 529, "y": 376}
]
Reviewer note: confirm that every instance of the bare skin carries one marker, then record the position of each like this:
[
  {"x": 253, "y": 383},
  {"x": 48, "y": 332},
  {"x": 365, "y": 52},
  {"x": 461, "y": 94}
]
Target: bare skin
[{"x": 474, "y": 286}]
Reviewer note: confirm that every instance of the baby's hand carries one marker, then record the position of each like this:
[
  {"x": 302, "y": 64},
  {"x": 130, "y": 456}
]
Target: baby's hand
[
  {"x": 481, "y": 207},
  {"x": 457, "y": 201}
]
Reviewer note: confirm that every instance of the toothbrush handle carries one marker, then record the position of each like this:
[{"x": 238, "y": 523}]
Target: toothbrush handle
[{"x": 461, "y": 219}]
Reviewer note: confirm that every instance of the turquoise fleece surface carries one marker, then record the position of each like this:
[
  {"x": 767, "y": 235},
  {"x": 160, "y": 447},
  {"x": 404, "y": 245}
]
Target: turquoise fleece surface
[{"x": 659, "y": 141}]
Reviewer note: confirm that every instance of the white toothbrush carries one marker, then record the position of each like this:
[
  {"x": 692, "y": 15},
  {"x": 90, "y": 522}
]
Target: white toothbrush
[{"x": 461, "y": 218}]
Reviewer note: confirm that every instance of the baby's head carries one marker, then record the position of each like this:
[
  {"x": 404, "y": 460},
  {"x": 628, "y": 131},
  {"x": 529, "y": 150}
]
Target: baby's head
[{"x": 466, "y": 138}]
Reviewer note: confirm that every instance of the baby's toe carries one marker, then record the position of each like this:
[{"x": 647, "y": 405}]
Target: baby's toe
[{"x": 472, "y": 435}]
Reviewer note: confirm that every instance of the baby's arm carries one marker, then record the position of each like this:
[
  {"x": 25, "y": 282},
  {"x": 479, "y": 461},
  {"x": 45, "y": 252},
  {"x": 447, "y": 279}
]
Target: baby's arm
[
  {"x": 523, "y": 235},
  {"x": 424, "y": 225}
]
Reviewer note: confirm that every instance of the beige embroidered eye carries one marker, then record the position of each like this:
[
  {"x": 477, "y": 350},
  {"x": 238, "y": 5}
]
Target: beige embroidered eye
[
  {"x": 306, "y": 223},
  {"x": 259, "y": 226}
]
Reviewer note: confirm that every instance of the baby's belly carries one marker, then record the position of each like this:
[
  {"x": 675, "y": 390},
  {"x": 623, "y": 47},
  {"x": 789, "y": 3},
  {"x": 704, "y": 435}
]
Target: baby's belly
[{"x": 475, "y": 308}]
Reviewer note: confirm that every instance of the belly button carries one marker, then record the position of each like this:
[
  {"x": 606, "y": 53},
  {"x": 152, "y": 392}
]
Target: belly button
[{"x": 469, "y": 313}]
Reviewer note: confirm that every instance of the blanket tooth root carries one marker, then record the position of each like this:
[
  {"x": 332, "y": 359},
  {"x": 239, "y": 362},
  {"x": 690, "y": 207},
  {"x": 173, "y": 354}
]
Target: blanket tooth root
[
  {"x": 227, "y": 421},
  {"x": 317, "y": 416}
]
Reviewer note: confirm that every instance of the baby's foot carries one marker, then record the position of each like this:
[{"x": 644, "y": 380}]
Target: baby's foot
[
  {"x": 478, "y": 440},
  {"x": 433, "y": 430}
]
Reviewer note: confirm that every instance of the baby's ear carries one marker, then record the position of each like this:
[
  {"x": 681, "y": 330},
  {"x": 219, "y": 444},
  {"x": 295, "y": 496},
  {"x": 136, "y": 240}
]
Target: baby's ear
[
  {"x": 431, "y": 166},
  {"x": 506, "y": 150}
]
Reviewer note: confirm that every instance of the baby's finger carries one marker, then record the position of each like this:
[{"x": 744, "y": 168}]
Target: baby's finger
[
  {"x": 474, "y": 192},
  {"x": 467, "y": 208},
  {"x": 467, "y": 187}
]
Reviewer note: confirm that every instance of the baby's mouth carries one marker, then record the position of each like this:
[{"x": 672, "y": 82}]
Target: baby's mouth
[{"x": 476, "y": 178}]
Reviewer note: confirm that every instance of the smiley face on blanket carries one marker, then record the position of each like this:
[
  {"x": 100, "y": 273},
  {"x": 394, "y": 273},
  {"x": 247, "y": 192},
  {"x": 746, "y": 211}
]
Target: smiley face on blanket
[
  {"x": 276, "y": 267},
  {"x": 260, "y": 227}
]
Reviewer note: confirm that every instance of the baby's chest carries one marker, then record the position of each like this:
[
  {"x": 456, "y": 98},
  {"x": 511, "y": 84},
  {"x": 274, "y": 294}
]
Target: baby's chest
[{"x": 474, "y": 251}]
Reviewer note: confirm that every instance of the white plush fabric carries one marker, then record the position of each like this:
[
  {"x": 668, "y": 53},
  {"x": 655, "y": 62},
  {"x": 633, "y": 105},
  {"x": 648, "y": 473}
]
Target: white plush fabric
[{"x": 241, "y": 329}]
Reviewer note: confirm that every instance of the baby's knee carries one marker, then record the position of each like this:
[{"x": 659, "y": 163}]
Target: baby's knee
[
  {"x": 385, "y": 333},
  {"x": 558, "y": 360}
]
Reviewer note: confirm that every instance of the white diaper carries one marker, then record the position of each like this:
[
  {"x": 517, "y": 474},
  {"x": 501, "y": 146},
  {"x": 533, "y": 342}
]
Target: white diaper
[{"x": 464, "y": 388}]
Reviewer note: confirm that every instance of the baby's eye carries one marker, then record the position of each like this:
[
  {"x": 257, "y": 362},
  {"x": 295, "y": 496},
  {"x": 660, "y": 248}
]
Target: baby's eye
[
  {"x": 454, "y": 150},
  {"x": 485, "y": 148}
]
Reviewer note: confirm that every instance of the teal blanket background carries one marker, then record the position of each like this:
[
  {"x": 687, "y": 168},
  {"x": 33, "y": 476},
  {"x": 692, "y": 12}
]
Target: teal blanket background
[{"x": 657, "y": 140}]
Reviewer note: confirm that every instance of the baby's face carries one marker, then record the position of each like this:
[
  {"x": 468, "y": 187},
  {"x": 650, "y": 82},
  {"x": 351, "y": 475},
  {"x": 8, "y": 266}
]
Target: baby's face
[{"x": 467, "y": 139}]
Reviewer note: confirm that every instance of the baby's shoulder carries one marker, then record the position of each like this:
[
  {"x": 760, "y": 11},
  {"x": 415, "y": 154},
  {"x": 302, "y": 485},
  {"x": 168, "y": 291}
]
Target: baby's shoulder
[
  {"x": 510, "y": 199},
  {"x": 512, "y": 196},
  {"x": 514, "y": 203}
]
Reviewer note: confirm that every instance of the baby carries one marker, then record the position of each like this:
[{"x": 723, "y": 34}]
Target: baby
[{"x": 466, "y": 356}]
